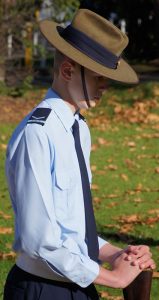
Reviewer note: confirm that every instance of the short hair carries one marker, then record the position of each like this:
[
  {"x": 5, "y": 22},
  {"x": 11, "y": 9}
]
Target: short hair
[{"x": 58, "y": 59}]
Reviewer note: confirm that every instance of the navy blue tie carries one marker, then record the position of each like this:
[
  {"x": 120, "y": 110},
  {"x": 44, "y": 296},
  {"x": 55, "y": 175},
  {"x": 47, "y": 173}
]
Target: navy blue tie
[{"x": 91, "y": 232}]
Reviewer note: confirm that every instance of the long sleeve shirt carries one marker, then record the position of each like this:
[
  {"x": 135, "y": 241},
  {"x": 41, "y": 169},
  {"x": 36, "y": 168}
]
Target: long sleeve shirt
[{"x": 46, "y": 192}]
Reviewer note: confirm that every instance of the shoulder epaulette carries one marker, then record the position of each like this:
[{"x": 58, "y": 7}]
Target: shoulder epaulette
[
  {"x": 39, "y": 116},
  {"x": 82, "y": 117}
]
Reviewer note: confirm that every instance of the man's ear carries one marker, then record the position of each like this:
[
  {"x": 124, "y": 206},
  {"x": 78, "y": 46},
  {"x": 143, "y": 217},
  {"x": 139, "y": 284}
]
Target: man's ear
[{"x": 66, "y": 69}]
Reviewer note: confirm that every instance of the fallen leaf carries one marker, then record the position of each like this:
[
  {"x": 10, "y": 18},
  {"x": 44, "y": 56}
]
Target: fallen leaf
[
  {"x": 118, "y": 109},
  {"x": 94, "y": 147},
  {"x": 153, "y": 118},
  {"x": 9, "y": 255},
  {"x": 112, "y": 204},
  {"x": 101, "y": 172},
  {"x": 112, "y": 226},
  {"x": 104, "y": 294},
  {"x": 112, "y": 167},
  {"x": 6, "y": 230},
  {"x": 3, "y": 137},
  {"x": 126, "y": 228},
  {"x": 6, "y": 217},
  {"x": 103, "y": 141},
  {"x": 131, "y": 144},
  {"x": 151, "y": 220},
  {"x": 3, "y": 146},
  {"x": 96, "y": 200},
  {"x": 132, "y": 219},
  {"x": 156, "y": 91},
  {"x": 154, "y": 211},
  {"x": 94, "y": 187},
  {"x": 157, "y": 170},
  {"x": 130, "y": 164},
  {"x": 139, "y": 187},
  {"x": 93, "y": 168},
  {"x": 138, "y": 200},
  {"x": 124, "y": 177}
]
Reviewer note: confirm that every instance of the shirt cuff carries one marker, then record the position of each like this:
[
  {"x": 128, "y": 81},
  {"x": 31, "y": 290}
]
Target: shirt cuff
[
  {"x": 101, "y": 242},
  {"x": 89, "y": 273}
]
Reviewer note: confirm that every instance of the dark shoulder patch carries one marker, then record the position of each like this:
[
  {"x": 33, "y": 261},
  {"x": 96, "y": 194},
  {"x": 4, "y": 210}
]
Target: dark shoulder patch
[
  {"x": 82, "y": 117},
  {"x": 39, "y": 116}
]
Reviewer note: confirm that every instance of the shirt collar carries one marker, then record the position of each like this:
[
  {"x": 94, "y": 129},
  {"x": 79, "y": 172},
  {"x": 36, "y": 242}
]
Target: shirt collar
[{"x": 60, "y": 107}]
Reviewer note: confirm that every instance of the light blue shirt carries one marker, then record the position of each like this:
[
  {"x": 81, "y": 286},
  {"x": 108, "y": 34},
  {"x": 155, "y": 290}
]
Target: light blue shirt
[{"x": 46, "y": 192}]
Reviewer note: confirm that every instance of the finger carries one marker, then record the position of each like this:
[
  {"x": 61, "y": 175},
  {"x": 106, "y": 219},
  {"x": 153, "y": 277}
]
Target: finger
[
  {"x": 153, "y": 266},
  {"x": 143, "y": 262},
  {"x": 149, "y": 264},
  {"x": 131, "y": 250},
  {"x": 139, "y": 250}
]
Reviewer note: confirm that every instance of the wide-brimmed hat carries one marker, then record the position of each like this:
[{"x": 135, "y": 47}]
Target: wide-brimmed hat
[{"x": 93, "y": 42}]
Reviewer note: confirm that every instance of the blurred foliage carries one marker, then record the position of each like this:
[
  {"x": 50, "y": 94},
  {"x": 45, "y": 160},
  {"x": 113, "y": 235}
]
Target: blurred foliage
[
  {"x": 18, "y": 22},
  {"x": 66, "y": 6}
]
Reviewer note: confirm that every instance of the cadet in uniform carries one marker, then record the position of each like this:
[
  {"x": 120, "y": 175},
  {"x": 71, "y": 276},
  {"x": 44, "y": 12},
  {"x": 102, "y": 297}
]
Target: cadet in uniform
[{"x": 48, "y": 171}]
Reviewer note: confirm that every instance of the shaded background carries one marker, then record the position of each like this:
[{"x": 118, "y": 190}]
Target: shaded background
[{"x": 26, "y": 57}]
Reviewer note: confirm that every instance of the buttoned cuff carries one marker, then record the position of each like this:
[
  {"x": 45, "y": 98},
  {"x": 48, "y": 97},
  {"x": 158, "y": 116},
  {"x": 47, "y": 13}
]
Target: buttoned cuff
[{"x": 89, "y": 273}]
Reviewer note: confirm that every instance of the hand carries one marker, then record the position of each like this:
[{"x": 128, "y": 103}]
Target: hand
[
  {"x": 141, "y": 256},
  {"x": 125, "y": 271},
  {"x": 121, "y": 274}
]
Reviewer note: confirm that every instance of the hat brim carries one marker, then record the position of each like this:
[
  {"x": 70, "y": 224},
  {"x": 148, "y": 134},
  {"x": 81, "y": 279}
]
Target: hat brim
[{"x": 123, "y": 73}]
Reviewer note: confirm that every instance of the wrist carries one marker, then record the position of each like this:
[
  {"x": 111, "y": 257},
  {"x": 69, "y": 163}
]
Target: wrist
[{"x": 109, "y": 278}]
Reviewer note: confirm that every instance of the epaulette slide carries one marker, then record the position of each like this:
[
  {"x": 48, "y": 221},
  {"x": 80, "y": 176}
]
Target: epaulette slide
[{"x": 39, "y": 116}]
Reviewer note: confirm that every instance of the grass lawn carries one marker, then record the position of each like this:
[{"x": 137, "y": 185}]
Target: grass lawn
[{"x": 125, "y": 167}]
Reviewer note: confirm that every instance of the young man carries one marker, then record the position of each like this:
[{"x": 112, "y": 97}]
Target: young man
[{"x": 48, "y": 172}]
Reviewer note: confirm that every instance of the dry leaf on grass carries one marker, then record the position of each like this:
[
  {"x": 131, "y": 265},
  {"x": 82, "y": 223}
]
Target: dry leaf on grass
[
  {"x": 126, "y": 228},
  {"x": 5, "y": 216},
  {"x": 94, "y": 187},
  {"x": 93, "y": 168},
  {"x": 124, "y": 177},
  {"x": 3, "y": 146},
  {"x": 9, "y": 255},
  {"x": 131, "y": 144},
  {"x": 111, "y": 196},
  {"x": 112, "y": 204},
  {"x": 6, "y": 230},
  {"x": 111, "y": 167},
  {"x": 94, "y": 147},
  {"x": 157, "y": 170},
  {"x": 107, "y": 296}
]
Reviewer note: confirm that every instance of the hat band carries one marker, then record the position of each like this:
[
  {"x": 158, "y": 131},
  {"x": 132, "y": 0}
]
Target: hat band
[{"x": 89, "y": 47}]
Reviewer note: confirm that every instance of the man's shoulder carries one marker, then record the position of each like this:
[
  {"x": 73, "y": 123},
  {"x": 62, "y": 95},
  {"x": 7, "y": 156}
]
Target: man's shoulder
[{"x": 39, "y": 116}]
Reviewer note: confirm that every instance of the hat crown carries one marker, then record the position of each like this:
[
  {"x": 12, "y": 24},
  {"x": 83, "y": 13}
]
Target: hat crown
[{"x": 100, "y": 30}]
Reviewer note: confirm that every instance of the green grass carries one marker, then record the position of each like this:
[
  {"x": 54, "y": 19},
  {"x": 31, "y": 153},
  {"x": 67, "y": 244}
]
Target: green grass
[
  {"x": 127, "y": 199},
  {"x": 125, "y": 177}
]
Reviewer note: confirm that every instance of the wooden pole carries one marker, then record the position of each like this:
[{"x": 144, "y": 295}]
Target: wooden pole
[{"x": 140, "y": 288}]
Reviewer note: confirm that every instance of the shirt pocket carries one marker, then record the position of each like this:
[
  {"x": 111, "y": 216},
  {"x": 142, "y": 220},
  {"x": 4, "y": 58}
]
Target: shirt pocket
[{"x": 65, "y": 183}]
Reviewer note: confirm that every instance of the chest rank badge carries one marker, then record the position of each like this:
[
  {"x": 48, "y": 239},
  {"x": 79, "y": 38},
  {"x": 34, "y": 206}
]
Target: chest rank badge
[{"x": 39, "y": 116}]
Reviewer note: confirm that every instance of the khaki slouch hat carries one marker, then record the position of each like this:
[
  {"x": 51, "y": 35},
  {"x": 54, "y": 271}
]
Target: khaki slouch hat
[{"x": 94, "y": 43}]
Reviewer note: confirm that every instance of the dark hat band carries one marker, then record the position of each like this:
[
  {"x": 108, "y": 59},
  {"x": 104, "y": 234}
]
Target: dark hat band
[{"x": 89, "y": 47}]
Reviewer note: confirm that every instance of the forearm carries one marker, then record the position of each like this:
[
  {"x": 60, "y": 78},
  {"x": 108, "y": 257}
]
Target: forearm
[
  {"x": 108, "y": 253},
  {"x": 107, "y": 278},
  {"x": 121, "y": 274}
]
